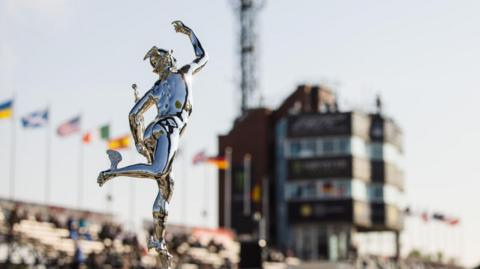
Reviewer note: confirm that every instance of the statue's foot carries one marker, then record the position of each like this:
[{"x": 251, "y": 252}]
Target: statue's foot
[
  {"x": 103, "y": 177},
  {"x": 161, "y": 248},
  {"x": 165, "y": 259},
  {"x": 115, "y": 158}
]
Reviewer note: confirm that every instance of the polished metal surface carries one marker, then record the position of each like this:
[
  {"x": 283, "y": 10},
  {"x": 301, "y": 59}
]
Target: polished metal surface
[{"x": 158, "y": 142}]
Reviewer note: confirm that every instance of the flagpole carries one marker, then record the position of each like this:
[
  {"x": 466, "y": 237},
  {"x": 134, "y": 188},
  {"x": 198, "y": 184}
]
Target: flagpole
[
  {"x": 13, "y": 148},
  {"x": 246, "y": 184},
  {"x": 228, "y": 189},
  {"x": 132, "y": 193},
  {"x": 47, "y": 158},
  {"x": 206, "y": 193},
  {"x": 265, "y": 209},
  {"x": 184, "y": 184},
  {"x": 80, "y": 168}
]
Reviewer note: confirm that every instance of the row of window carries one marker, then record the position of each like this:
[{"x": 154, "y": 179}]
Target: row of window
[
  {"x": 334, "y": 146},
  {"x": 342, "y": 189}
]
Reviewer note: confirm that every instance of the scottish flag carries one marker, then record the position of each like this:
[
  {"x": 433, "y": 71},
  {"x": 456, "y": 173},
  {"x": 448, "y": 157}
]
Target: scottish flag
[{"x": 35, "y": 119}]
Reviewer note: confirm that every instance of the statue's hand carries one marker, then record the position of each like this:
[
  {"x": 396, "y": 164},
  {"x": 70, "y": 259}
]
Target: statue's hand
[{"x": 181, "y": 28}]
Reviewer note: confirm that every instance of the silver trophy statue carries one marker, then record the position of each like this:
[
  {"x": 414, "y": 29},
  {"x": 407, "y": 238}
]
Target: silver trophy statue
[{"x": 172, "y": 95}]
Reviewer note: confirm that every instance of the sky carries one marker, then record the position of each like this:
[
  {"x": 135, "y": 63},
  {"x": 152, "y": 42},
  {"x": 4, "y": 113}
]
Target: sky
[{"x": 80, "y": 57}]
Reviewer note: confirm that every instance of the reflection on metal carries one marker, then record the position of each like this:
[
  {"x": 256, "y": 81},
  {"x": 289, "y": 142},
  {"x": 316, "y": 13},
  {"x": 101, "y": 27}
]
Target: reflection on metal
[{"x": 158, "y": 142}]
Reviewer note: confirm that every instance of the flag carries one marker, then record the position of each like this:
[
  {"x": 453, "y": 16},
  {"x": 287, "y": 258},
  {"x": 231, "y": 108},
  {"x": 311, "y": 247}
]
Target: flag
[
  {"x": 119, "y": 143},
  {"x": 200, "y": 157},
  {"x": 87, "y": 138},
  {"x": 70, "y": 127},
  {"x": 408, "y": 211},
  {"x": 220, "y": 162},
  {"x": 438, "y": 216},
  {"x": 424, "y": 216},
  {"x": 256, "y": 193},
  {"x": 327, "y": 187},
  {"x": 453, "y": 221},
  {"x": 103, "y": 133},
  {"x": 6, "y": 109},
  {"x": 35, "y": 119}
]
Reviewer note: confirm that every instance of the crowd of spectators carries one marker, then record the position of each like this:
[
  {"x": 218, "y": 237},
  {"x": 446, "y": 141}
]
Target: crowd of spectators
[
  {"x": 26, "y": 253},
  {"x": 23, "y": 252},
  {"x": 376, "y": 262}
]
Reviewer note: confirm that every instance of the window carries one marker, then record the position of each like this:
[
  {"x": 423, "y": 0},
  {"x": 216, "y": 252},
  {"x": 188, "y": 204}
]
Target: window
[
  {"x": 343, "y": 146},
  {"x": 295, "y": 148},
  {"x": 309, "y": 148},
  {"x": 375, "y": 193},
  {"x": 328, "y": 146},
  {"x": 310, "y": 190},
  {"x": 376, "y": 151}
]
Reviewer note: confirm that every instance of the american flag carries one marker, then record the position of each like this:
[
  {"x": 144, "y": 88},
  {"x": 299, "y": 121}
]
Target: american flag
[{"x": 69, "y": 127}]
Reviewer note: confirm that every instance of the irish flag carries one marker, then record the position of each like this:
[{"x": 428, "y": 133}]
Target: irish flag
[{"x": 102, "y": 133}]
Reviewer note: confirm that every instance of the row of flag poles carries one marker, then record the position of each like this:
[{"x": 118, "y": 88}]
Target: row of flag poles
[
  {"x": 426, "y": 216},
  {"x": 41, "y": 119}
]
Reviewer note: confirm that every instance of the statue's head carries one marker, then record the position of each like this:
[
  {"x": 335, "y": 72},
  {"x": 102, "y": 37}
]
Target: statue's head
[{"x": 160, "y": 59}]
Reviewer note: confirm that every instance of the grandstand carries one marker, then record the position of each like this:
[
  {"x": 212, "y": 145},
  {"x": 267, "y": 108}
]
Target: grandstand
[
  {"x": 39, "y": 236},
  {"x": 32, "y": 235}
]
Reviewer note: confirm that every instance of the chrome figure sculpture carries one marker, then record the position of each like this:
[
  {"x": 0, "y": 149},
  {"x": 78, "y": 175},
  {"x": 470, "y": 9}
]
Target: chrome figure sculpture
[{"x": 158, "y": 143}]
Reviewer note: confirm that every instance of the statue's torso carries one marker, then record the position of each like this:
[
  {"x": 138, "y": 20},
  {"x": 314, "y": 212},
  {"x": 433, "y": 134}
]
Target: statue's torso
[{"x": 172, "y": 96}]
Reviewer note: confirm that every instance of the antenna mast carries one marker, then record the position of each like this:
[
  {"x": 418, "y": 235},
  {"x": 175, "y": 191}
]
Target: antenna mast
[{"x": 247, "y": 11}]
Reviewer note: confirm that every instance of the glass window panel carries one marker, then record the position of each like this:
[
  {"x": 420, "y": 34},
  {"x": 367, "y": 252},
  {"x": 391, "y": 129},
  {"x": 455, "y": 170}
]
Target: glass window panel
[
  {"x": 376, "y": 151},
  {"x": 328, "y": 146},
  {"x": 310, "y": 190},
  {"x": 295, "y": 148},
  {"x": 308, "y": 148},
  {"x": 343, "y": 146}
]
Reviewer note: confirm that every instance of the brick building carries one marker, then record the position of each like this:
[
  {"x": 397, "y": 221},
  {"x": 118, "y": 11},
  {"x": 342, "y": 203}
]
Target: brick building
[{"x": 307, "y": 177}]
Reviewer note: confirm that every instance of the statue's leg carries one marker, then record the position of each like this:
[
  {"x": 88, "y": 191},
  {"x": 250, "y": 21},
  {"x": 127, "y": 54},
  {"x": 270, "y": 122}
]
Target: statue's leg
[
  {"x": 165, "y": 147},
  {"x": 160, "y": 213}
]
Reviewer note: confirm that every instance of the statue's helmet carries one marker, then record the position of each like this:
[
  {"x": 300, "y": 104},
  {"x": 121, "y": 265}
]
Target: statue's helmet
[{"x": 160, "y": 59}]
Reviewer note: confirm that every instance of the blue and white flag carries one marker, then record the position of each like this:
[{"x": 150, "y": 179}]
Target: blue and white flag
[{"x": 35, "y": 119}]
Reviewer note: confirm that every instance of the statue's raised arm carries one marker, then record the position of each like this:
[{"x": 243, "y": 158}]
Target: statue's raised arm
[{"x": 201, "y": 56}]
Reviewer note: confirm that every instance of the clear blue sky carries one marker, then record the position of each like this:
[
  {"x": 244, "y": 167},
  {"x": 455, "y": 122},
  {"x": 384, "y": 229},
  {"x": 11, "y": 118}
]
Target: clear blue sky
[{"x": 82, "y": 56}]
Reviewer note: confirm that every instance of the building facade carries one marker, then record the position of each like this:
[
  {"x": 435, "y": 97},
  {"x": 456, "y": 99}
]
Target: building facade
[{"x": 316, "y": 176}]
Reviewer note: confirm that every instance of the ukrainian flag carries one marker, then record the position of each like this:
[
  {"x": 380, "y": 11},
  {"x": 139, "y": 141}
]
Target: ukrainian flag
[{"x": 6, "y": 109}]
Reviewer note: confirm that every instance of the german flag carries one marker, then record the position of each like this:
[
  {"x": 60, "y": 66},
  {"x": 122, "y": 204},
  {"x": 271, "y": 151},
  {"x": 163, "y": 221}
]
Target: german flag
[
  {"x": 122, "y": 142},
  {"x": 219, "y": 161}
]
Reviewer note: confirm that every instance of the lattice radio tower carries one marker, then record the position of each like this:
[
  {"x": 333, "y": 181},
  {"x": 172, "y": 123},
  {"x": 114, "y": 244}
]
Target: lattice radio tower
[{"x": 247, "y": 11}]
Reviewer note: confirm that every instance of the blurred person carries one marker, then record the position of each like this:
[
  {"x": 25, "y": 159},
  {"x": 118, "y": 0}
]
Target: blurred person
[
  {"x": 158, "y": 143},
  {"x": 52, "y": 218},
  {"x": 92, "y": 261},
  {"x": 78, "y": 257},
  {"x": 72, "y": 229},
  {"x": 83, "y": 229},
  {"x": 13, "y": 216}
]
